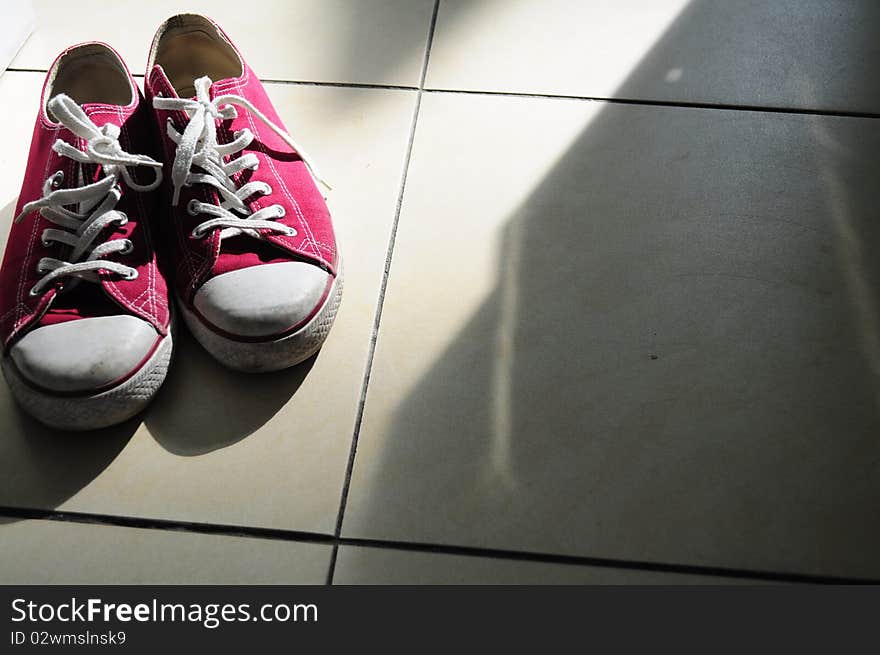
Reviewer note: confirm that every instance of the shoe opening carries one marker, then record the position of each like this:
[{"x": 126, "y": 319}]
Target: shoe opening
[
  {"x": 189, "y": 46},
  {"x": 91, "y": 73}
]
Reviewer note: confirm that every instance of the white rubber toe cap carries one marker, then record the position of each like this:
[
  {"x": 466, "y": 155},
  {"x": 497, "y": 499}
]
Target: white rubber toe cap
[
  {"x": 85, "y": 354},
  {"x": 262, "y": 300}
]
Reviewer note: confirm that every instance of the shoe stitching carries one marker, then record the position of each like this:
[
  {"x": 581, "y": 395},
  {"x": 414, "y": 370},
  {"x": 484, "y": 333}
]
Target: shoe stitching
[
  {"x": 308, "y": 236},
  {"x": 151, "y": 312},
  {"x": 31, "y": 243},
  {"x": 144, "y": 225}
]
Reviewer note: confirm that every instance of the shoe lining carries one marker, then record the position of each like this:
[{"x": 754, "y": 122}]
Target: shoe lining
[
  {"x": 191, "y": 47},
  {"x": 92, "y": 73}
]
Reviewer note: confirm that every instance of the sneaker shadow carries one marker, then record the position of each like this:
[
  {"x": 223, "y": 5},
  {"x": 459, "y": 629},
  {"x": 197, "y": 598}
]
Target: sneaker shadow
[
  {"x": 203, "y": 406},
  {"x": 41, "y": 467}
]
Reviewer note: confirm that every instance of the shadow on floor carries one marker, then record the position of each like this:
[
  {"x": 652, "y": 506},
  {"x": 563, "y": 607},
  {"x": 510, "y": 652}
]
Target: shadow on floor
[
  {"x": 787, "y": 53},
  {"x": 204, "y": 406},
  {"x": 680, "y": 362},
  {"x": 41, "y": 467},
  {"x": 201, "y": 407}
]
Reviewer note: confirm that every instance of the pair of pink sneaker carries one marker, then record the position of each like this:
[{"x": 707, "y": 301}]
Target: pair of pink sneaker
[{"x": 232, "y": 223}]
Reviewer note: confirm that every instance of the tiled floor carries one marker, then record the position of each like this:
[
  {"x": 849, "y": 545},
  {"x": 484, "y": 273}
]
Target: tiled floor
[
  {"x": 52, "y": 552},
  {"x": 630, "y": 340}
]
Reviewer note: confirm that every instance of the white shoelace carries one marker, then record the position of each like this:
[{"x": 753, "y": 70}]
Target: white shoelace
[
  {"x": 201, "y": 160},
  {"x": 95, "y": 202}
]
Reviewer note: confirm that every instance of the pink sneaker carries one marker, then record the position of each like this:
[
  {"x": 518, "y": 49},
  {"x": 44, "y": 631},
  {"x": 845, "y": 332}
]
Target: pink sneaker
[
  {"x": 257, "y": 270},
  {"x": 83, "y": 305}
]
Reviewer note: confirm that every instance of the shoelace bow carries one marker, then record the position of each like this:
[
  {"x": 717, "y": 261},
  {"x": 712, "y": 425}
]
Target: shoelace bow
[
  {"x": 200, "y": 159},
  {"x": 95, "y": 202}
]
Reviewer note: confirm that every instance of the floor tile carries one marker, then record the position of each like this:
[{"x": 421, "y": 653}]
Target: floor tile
[
  {"x": 357, "y": 565},
  {"x": 53, "y": 552},
  {"x": 789, "y": 53},
  {"x": 636, "y": 332},
  {"x": 369, "y": 41},
  {"x": 217, "y": 446}
]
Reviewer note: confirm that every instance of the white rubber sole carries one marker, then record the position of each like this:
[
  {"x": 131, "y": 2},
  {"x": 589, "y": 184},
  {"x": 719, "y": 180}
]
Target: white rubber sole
[
  {"x": 264, "y": 356},
  {"x": 74, "y": 412}
]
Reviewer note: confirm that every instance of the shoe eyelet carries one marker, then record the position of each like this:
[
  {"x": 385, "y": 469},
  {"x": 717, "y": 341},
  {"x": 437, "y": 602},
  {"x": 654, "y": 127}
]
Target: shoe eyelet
[
  {"x": 267, "y": 190},
  {"x": 291, "y": 233},
  {"x": 46, "y": 242},
  {"x": 129, "y": 248},
  {"x": 197, "y": 234},
  {"x": 281, "y": 212},
  {"x": 122, "y": 220},
  {"x": 33, "y": 293},
  {"x": 191, "y": 207},
  {"x": 131, "y": 276},
  {"x": 57, "y": 179}
]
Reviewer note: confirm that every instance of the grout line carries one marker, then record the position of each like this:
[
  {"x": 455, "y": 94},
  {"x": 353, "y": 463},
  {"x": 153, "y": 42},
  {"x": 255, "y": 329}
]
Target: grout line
[
  {"x": 550, "y": 96},
  {"x": 343, "y": 501},
  {"x": 27, "y": 70},
  {"x": 419, "y": 547},
  {"x": 603, "y": 562},
  {"x": 45, "y": 70},
  {"x": 266, "y": 80},
  {"x": 664, "y": 103},
  {"x": 276, "y": 534},
  {"x": 344, "y": 85}
]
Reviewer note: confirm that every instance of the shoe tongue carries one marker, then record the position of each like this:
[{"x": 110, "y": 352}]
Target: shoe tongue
[
  {"x": 160, "y": 82},
  {"x": 219, "y": 87},
  {"x": 102, "y": 114}
]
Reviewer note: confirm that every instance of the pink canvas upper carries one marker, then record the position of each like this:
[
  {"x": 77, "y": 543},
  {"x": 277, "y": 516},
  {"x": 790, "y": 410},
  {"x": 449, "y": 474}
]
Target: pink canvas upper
[
  {"x": 145, "y": 296},
  {"x": 197, "y": 259}
]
